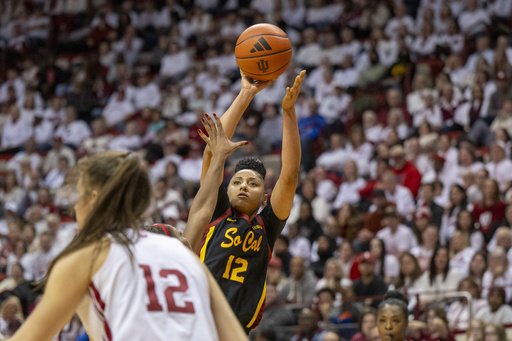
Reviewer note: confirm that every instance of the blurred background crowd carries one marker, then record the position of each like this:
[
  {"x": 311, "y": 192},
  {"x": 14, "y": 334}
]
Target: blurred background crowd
[{"x": 405, "y": 121}]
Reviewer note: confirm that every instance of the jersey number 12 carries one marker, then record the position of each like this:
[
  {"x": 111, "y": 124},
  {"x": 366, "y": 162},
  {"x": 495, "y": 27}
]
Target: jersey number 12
[{"x": 153, "y": 304}]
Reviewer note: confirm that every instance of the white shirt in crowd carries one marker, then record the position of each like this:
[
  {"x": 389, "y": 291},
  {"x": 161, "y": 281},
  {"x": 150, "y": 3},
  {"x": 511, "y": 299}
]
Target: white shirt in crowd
[
  {"x": 504, "y": 281},
  {"x": 116, "y": 111},
  {"x": 73, "y": 133},
  {"x": 501, "y": 316},
  {"x": 126, "y": 143},
  {"x": 175, "y": 64},
  {"x": 147, "y": 96},
  {"x": 501, "y": 172},
  {"x": 349, "y": 192},
  {"x": 403, "y": 239},
  {"x": 461, "y": 260},
  {"x": 440, "y": 285},
  {"x": 300, "y": 247},
  {"x": 403, "y": 199},
  {"x": 15, "y": 134}
]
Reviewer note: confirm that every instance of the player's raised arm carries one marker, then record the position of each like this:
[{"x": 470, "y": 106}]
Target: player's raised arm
[
  {"x": 206, "y": 198},
  {"x": 250, "y": 88},
  {"x": 283, "y": 192}
]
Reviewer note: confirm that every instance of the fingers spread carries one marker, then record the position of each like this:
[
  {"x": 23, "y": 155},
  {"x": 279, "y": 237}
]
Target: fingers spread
[
  {"x": 203, "y": 136},
  {"x": 218, "y": 124}
]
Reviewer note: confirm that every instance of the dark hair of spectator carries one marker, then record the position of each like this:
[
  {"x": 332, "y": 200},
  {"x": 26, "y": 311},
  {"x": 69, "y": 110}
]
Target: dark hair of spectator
[
  {"x": 415, "y": 275},
  {"x": 472, "y": 283},
  {"x": 464, "y": 202},
  {"x": 124, "y": 193},
  {"x": 472, "y": 227},
  {"x": 382, "y": 256},
  {"x": 253, "y": 164},
  {"x": 433, "y": 269},
  {"x": 327, "y": 290},
  {"x": 395, "y": 298},
  {"x": 471, "y": 274},
  {"x": 495, "y": 197},
  {"x": 438, "y": 311},
  {"x": 500, "y": 291}
]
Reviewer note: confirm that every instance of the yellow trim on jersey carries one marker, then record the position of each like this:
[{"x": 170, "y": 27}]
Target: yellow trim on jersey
[
  {"x": 208, "y": 237},
  {"x": 260, "y": 303}
]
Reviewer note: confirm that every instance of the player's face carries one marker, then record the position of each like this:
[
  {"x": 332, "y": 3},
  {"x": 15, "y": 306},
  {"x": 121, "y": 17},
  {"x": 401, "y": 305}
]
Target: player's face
[
  {"x": 391, "y": 323},
  {"x": 246, "y": 191}
]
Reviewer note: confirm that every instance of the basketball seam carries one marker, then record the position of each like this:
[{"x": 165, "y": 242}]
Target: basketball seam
[
  {"x": 264, "y": 55},
  {"x": 264, "y": 34},
  {"x": 264, "y": 74}
]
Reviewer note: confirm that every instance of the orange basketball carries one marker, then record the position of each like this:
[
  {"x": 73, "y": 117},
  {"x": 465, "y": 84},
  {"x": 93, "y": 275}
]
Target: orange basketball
[{"x": 263, "y": 52}]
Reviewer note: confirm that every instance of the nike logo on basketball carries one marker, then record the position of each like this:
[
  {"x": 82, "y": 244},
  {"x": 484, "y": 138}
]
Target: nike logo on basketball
[{"x": 261, "y": 45}]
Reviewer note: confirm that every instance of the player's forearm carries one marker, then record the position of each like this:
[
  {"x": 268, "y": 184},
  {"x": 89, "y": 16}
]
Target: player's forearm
[
  {"x": 235, "y": 111},
  {"x": 229, "y": 121},
  {"x": 204, "y": 202},
  {"x": 291, "y": 151}
]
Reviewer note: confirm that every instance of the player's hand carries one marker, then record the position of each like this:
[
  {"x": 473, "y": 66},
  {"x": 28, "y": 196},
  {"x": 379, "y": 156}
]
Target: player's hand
[
  {"x": 219, "y": 144},
  {"x": 292, "y": 94},
  {"x": 253, "y": 86}
]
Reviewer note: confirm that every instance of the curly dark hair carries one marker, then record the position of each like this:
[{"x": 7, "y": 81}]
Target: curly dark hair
[
  {"x": 397, "y": 299},
  {"x": 253, "y": 164}
]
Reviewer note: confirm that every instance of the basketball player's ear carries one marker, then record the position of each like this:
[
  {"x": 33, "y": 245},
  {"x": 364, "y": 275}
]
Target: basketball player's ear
[
  {"x": 265, "y": 200},
  {"x": 94, "y": 197}
]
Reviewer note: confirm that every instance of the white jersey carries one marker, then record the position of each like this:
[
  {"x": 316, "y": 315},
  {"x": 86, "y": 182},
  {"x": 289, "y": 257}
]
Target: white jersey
[{"x": 163, "y": 295}]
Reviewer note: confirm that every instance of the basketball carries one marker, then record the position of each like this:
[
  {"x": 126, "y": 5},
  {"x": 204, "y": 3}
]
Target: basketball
[{"x": 263, "y": 52}]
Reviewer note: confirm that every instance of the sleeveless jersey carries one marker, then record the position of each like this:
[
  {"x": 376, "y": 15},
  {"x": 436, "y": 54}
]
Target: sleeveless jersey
[
  {"x": 237, "y": 252},
  {"x": 162, "y": 295}
]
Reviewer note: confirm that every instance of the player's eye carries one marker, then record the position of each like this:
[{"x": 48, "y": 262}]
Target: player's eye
[{"x": 236, "y": 182}]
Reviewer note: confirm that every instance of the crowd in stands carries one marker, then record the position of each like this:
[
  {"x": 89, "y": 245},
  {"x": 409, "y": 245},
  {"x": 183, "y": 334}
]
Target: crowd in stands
[{"x": 405, "y": 121}]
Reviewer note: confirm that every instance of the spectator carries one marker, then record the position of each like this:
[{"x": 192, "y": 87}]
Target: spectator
[
  {"x": 300, "y": 286},
  {"x": 473, "y": 20},
  {"x": 308, "y": 327},
  {"x": 490, "y": 210},
  {"x": 72, "y": 131},
  {"x": 11, "y": 316},
  {"x": 457, "y": 203},
  {"x": 458, "y": 314},
  {"x": 466, "y": 224},
  {"x": 367, "y": 322},
  {"x": 352, "y": 184},
  {"x": 424, "y": 251},
  {"x": 494, "y": 331},
  {"x": 369, "y": 284},
  {"x": 147, "y": 93},
  {"x": 119, "y": 108},
  {"x": 41, "y": 259},
  {"x": 129, "y": 141},
  {"x": 460, "y": 253},
  {"x": 16, "y": 131},
  {"x": 440, "y": 279},
  {"x": 410, "y": 272},
  {"x": 58, "y": 150},
  {"x": 396, "y": 237},
  {"x": 386, "y": 266},
  {"x": 475, "y": 331},
  {"x": 496, "y": 311},
  {"x": 499, "y": 273},
  {"x": 478, "y": 267},
  {"x": 276, "y": 315}
]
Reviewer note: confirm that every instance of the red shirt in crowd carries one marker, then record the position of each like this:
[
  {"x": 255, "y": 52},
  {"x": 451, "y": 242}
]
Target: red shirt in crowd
[
  {"x": 409, "y": 176},
  {"x": 488, "y": 217}
]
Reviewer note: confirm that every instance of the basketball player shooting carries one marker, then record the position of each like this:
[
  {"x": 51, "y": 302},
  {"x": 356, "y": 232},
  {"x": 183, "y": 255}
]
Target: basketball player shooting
[
  {"x": 128, "y": 284},
  {"x": 237, "y": 244}
]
